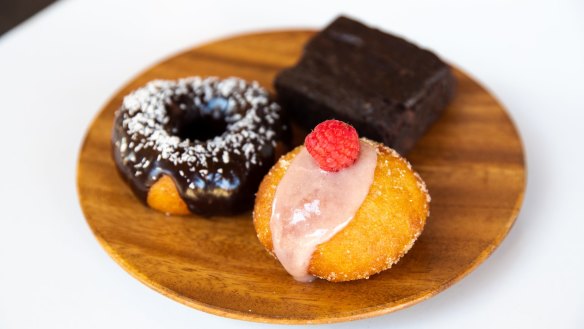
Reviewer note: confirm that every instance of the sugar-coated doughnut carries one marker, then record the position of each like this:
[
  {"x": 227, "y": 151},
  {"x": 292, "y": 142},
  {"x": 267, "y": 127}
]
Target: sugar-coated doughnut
[{"x": 382, "y": 230}]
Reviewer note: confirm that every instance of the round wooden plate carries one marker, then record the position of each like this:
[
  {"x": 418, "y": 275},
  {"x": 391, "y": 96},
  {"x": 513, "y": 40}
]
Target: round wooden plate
[{"x": 471, "y": 159}]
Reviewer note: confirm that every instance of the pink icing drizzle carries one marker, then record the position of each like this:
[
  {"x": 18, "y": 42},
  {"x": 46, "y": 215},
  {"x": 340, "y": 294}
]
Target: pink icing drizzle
[{"x": 311, "y": 205}]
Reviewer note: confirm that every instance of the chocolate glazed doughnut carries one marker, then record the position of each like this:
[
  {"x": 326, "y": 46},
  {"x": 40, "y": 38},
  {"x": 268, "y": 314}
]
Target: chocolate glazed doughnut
[{"x": 199, "y": 145}]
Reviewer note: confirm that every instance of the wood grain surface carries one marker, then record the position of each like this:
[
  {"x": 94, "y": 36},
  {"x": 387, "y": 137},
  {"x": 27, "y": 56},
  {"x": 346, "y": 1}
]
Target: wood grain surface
[{"x": 471, "y": 159}]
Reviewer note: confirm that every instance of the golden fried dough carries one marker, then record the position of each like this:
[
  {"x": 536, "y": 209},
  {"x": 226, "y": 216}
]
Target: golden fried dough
[
  {"x": 384, "y": 228},
  {"x": 163, "y": 196}
]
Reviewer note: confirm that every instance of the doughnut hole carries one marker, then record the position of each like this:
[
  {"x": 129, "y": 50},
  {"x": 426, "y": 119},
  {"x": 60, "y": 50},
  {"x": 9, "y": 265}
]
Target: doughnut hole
[
  {"x": 163, "y": 196},
  {"x": 202, "y": 128},
  {"x": 197, "y": 122}
]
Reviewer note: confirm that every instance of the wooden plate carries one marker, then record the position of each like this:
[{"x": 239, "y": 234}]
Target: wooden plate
[{"x": 471, "y": 159}]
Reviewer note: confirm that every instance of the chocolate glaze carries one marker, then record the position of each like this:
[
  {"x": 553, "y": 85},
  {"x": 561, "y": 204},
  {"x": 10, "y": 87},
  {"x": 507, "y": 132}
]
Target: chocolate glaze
[{"x": 215, "y": 138}]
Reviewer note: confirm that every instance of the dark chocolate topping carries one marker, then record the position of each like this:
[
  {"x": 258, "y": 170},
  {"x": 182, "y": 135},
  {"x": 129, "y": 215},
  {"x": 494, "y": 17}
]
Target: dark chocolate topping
[{"x": 215, "y": 138}]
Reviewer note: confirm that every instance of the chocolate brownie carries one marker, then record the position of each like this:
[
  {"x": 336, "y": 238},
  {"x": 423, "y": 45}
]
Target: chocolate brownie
[{"x": 389, "y": 89}]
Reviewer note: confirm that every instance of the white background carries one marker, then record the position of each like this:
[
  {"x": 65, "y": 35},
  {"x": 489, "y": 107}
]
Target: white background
[{"x": 60, "y": 67}]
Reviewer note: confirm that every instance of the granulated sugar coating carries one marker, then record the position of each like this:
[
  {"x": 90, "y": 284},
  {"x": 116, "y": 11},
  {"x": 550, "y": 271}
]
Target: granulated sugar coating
[{"x": 390, "y": 219}]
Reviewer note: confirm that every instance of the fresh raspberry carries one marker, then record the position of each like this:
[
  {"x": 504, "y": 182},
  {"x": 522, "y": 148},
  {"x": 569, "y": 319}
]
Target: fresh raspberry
[{"x": 333, "y": 144}]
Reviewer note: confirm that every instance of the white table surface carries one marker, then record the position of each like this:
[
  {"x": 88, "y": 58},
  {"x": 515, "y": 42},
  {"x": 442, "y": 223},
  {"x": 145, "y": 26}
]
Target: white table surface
[{"x": 59, "y": 68}]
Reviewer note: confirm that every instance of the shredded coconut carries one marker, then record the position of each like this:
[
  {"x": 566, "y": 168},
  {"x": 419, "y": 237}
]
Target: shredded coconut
[{"x": 248, "y": 113}]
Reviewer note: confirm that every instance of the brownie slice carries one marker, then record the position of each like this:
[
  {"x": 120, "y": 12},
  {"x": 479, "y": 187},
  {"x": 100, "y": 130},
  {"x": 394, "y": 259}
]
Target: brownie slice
[{"x": 389, "y": 89}]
